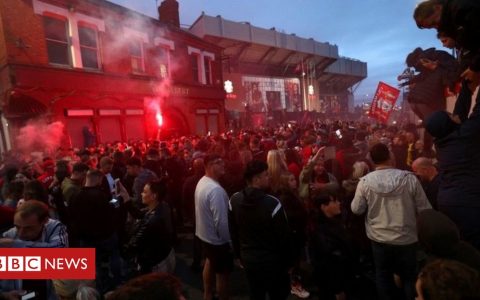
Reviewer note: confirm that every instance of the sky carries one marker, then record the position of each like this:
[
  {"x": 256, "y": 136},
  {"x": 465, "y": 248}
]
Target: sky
[{"x": 378, "y": 32}]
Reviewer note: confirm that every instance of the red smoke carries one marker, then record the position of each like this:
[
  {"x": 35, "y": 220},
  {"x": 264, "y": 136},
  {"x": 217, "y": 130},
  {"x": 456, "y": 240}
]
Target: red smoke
[{"x": 40, "y": 136}]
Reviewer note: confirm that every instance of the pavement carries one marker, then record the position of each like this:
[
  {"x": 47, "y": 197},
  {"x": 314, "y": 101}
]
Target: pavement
[{"x": 192, "y": 280}]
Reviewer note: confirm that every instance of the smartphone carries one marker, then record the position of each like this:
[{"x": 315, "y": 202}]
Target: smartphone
[
  {"x": 28, "y": 295},
  {"x": 115, "y": 203}
]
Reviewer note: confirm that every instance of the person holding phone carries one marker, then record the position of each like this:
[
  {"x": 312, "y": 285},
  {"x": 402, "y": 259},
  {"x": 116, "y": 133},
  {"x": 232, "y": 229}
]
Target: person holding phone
[
  {"x": 92, "y": 224},
  {"x": 151, "y": 243}
]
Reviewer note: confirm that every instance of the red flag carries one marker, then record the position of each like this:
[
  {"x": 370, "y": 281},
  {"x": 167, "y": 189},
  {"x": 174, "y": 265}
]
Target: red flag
[{"x": 383, "y": 102}]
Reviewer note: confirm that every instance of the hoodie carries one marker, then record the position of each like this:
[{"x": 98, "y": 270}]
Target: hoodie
[
  {"x": 259, "y": 230},
  {"x": 392, "y": 198}
]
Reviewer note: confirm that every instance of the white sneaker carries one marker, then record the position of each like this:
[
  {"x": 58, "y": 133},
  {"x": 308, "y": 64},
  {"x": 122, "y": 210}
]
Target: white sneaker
[{"x": 300, "y": 292}]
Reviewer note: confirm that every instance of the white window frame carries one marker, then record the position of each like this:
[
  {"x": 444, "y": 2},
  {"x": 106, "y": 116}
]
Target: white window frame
[
  {"x": 72, "y": 18},
  {"x": 201, "y": 55},
  {"x": 167, "y": 45},
  {"x": 88, "y": 47},
  {"x": 143, "y": 38}
]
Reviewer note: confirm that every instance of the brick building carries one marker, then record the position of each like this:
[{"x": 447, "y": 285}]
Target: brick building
[{"x": 91, "y": 64}]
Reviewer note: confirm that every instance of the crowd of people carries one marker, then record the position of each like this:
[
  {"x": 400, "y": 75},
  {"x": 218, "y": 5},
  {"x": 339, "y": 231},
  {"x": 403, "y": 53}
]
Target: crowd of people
[
  {"x": 268, "y": 201},
  {"x": 337, "y": 196}
]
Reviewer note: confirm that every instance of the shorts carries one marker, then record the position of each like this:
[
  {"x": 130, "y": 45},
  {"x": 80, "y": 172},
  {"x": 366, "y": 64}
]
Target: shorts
[{"x": 220, "y": 257}]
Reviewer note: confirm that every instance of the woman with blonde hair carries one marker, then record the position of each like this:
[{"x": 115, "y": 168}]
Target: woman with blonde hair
[
  {"x": 276, "y": 165},
  {"x": 354, "y": 224}
]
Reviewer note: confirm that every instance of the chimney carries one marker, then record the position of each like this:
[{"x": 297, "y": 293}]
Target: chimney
[{"x": 168, "y": 12}]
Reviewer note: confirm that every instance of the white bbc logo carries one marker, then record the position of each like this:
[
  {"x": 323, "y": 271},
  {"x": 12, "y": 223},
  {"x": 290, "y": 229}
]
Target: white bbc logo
[{"x": 20, "y": 263}]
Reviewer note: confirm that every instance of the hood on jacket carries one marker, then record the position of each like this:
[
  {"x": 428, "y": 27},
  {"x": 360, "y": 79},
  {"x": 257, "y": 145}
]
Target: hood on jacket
[
  {"x": 388, "y": 181},
  {"x": 252, "y": 196},
  {"x": 437, "y": 233}
]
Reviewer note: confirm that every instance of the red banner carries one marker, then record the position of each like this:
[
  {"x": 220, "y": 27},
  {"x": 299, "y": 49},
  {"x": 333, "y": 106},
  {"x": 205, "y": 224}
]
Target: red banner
[
  {"x": 47, "y": 263},
  {"x": 383, "y": 102}
]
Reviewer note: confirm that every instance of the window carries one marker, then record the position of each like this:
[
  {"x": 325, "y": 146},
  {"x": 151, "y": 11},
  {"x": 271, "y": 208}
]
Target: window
[
  {"x": 162, "y": 59},
  {"x": 206, "y": 120},
  {"x": 136, "y": 56},
  {"x": 57, "y": 41},
  {"x": 208, "y": 70},
  {"x": 88, "y": 47},
  {"x": 201, "y": 65},
  {"x": 69, "y": 40},
  {"x": 195, "y": 69}
]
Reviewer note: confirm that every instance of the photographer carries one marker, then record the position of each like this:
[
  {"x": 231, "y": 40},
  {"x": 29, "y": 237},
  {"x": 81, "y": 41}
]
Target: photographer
[{"x": 437, "y": 70}]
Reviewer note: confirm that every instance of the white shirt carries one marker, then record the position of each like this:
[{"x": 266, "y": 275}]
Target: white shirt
[
  {"x": 392, "y": 199},
  {"x": 211, "y": 212}
]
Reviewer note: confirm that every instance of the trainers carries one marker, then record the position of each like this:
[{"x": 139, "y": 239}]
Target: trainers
[{"x": 300, "y": 292}]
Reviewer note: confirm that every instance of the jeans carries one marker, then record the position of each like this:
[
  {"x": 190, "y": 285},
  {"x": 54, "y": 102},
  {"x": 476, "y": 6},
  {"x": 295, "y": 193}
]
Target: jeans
[{"x": 395, "y": 259}]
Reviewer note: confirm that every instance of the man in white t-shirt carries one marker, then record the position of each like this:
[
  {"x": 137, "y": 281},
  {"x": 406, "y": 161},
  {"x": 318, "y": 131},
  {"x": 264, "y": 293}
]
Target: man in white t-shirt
[{"x": 211, "y": 220}]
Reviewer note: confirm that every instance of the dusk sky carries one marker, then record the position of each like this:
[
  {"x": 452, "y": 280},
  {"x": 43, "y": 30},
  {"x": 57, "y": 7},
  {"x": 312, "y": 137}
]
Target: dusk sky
[{"x": 379, "y": 32}]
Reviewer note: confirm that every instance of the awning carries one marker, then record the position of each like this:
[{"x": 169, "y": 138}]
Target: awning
[{"x": 21, "y": 105}]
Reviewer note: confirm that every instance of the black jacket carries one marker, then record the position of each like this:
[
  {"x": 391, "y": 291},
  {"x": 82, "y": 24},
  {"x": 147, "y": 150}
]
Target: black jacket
[
  {"x": 259, "y": 230},
  {"x": 458, "y": 156},
  {"x": 440, "y": 238},
  {"x": 152, "y": 237},
  {"x": 332, "y": 251},
  {"x": 91, "y": 216}
]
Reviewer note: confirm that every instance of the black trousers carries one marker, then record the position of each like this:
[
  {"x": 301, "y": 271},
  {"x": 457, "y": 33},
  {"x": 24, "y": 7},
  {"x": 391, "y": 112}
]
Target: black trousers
[{"x": 273, "y": 281}]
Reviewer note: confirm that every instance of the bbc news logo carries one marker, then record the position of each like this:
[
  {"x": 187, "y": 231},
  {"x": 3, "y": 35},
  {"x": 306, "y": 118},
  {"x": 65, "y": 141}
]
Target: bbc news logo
[{"x": 51, "y": 263}]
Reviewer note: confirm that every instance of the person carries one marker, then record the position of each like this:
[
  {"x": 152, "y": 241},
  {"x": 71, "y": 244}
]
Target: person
[
  {"x": 447, "y": 280},
  {"x": 75, "y": 289},
  {"x": 46, "y": 177},
  {"x": 315, "y": 180},
  {"x": 440, "y": 238},
  {"x": 459, "y": 20},
  {"x": 438, "y": 70},
  {"x": 392, "y": 198},
  {"x": 71, "y": 185},
  {"x": 33, "y": 229},
  {"x": 153, "y": 286},
  {"x": 260, "y": 235},
  {"x": 354, "y": 223},
  {"x": 188, "y": 196},
  {"x": 91, "y": 224},
  {"x": 256, "y": 99},
  {"x": 276, "y": 166},
  {"x": 141, "y": 175},
  {"x": 457, "y": 141},
  {"x": 211, "y": 227},
  {"x": 332, "y": 250},
  {"x": 296, "y": 212},
  {"x": 426, "y": 171},
  {"x": 88, "y": 136},
  {"x": 108, "y": 182},
  {"x": 151, "y": 242}
]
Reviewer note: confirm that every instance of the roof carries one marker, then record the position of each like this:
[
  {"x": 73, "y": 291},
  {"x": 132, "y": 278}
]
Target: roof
[{"x": 248, "y": 44}]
